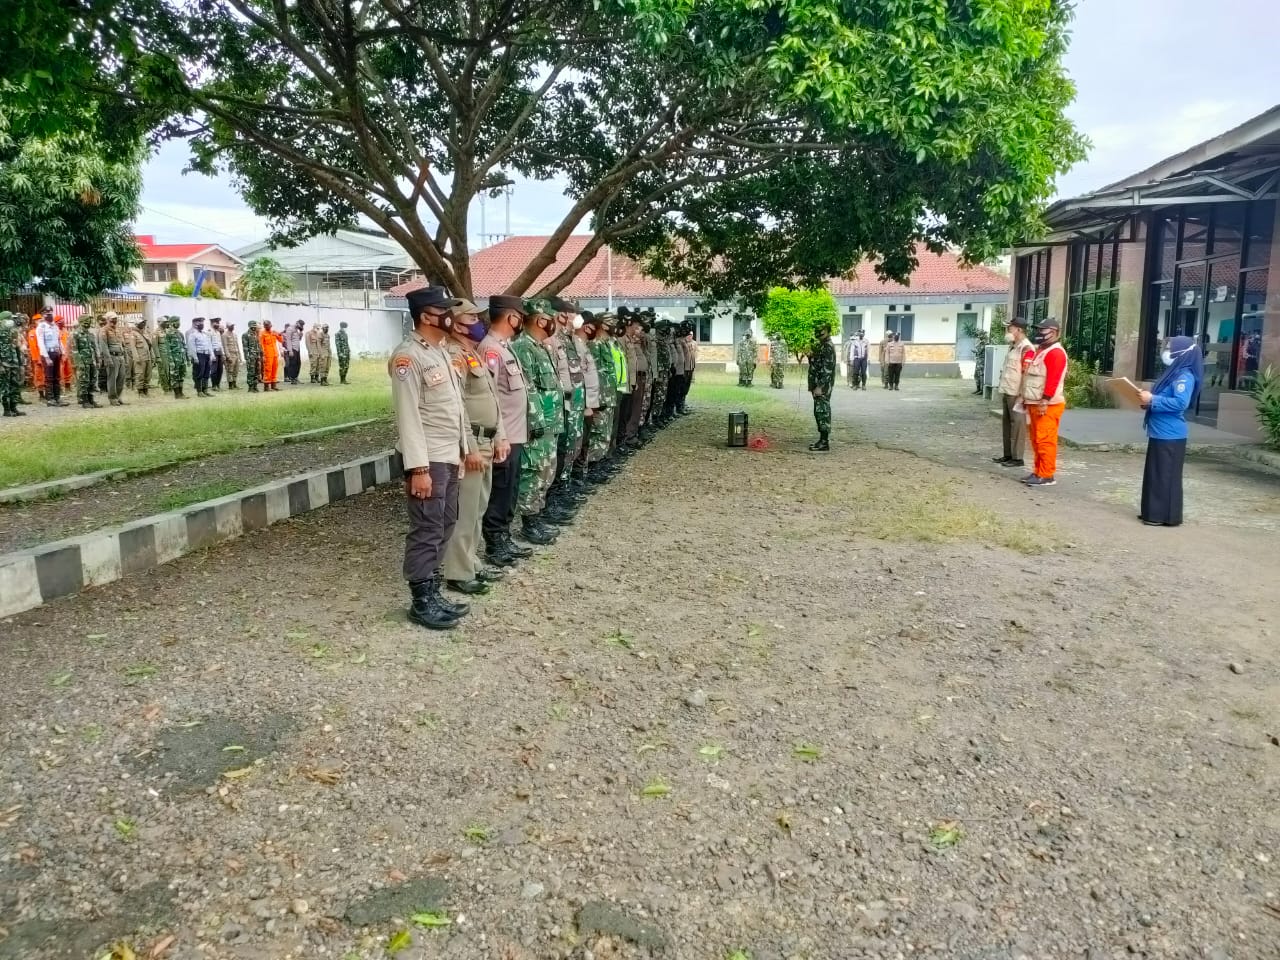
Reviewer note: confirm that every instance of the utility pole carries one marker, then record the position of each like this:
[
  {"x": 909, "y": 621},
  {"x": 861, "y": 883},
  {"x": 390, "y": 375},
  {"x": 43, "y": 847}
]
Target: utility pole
[{"x": 608, "y": 260}]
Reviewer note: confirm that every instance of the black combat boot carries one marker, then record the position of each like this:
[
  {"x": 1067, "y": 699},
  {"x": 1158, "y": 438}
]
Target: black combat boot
[
  {"x": 534, "y": 532},
  {"x": 425, "y": 611},
  {"x": 253, "y": 388},
  {"x": 491, "y": 574},
  {"x": 449, "y": 606},
  {"x": 497, "y": 555},
  {"x": 342, "y": 379},
  {"x": 820, "y": 443},
  {"x": 516, "y": 550}
]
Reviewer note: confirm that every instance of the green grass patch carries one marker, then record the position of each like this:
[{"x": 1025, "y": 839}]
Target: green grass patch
[
  {"x": 177, "y": 499},
  {"x": 714, "y": 388},
  {"x": 174, "y": 430}
]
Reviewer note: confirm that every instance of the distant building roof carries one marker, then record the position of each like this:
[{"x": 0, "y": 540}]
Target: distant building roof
[
  {"x": 493, "y": 269},
  {"x": 343, "y": 250},
  {"x": 152, "y": 251}
]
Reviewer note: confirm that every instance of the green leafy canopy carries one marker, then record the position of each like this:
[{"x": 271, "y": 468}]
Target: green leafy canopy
[{"x": 793, "y": 316}]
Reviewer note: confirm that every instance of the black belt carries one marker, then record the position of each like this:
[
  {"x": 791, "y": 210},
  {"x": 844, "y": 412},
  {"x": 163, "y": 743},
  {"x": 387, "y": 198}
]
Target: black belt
[{"x": 486, "y": 432}]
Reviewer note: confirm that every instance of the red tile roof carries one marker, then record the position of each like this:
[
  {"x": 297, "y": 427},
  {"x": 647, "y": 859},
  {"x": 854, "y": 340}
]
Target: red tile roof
[
  {"x": 494, "y": 267},
  {"x": 173, "y": 251}
]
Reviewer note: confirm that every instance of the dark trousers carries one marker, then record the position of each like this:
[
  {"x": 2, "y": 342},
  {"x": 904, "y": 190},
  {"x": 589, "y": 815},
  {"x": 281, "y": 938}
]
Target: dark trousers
[
  {"x": 1162, "y": 482},
  {"x": 431, "y": 523},
  {"x": 637, "y": 405},
  {"x": 673, "y": 394},
  {"x": 292, "y": 365},
  {"x": 502, "y": 496},
  {"x": 858, "y": 372},
  {"x": 53, "y": 377},
  {"x": 895, "y": 375},
  {"x": 1013, "y": 428},
  {"x": 200, "y": 372},
  {"x": 622, "y": 417},
  {"x": 215, "y": 371}
]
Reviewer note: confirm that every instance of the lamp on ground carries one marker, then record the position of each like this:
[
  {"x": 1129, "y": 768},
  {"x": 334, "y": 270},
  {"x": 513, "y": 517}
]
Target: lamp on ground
[{"x": 738, "y": 429}]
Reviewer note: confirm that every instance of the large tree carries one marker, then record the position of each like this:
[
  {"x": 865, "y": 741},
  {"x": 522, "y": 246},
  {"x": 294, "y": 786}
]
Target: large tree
[{"x": 732, "y": 143}]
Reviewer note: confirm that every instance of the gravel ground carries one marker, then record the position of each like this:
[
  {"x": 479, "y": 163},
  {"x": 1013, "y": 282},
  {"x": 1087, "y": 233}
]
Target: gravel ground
[
  {"x": 793, "y": 706},
  {"x": 118, "y": 501}
]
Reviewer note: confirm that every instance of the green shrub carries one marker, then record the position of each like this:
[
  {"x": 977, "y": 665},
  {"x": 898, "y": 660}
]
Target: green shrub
[
  {"x": 1082, "y": 389},
  {"x": 1266, "y": 390}
]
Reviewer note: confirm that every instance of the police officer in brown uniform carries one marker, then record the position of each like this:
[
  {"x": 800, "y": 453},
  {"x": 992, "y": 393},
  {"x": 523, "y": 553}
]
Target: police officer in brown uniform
[
  {"x": 433, "y": 439},
  {"x": 487, "y": 444},
  {"x": 506, "y": 316}
]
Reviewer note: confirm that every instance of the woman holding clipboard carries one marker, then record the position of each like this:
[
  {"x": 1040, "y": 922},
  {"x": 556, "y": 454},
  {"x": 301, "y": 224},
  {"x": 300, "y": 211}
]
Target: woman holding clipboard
[{"x": 1167, "y": 403}]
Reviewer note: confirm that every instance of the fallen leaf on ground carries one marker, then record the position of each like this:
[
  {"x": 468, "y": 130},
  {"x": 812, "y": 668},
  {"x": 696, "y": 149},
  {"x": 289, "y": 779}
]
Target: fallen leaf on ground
[
  {"x": 326, "y": 775},
  {"x": 655, "y": 788},
  {"x": 400, "y": 940},
  {"x": 151, "y": 712},
  {"x": 160, "y": 946},
  {"x": 946, "y": 834},
  {"x": 430, "y": 919}
]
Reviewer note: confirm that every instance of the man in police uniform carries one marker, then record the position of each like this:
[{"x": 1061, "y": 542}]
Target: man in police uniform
[
  {"x": 487, "y": 444},
  {"x": 506, "y": 316},
  {"x": 434, "y": 433}
]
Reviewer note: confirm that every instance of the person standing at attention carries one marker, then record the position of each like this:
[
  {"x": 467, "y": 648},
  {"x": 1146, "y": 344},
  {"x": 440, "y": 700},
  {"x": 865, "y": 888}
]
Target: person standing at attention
[
  {"x": 895, "y": 357},
  {"x": 822, "y": 378},
  {"x": 1167, "y": 404},
  {"x": 857, "y": 354},
  {"x": 746, "y": 358},
  {"x": 433, "y": 431},
  {"x": 1044, "y": 398},
  {"x": 49, "y": 341},
  {"x": 1013, "y": 419}
]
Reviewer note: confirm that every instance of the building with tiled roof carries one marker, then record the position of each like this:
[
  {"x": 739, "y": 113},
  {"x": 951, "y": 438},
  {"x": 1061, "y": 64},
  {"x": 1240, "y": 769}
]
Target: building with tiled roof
[
  {"x": 163, "y": 263},
  {"x": 931, "y": 311}
]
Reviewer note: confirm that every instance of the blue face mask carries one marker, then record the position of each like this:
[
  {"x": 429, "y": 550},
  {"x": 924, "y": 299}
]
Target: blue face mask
[{"x": 475, "y": 331}]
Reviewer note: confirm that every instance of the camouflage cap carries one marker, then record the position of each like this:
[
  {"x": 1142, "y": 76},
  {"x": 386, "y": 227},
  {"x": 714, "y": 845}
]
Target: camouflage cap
[
  {"x": 539, "y": 306},
  {"x": 253, "y": 323},
  {"x": 85, "y": 319}
]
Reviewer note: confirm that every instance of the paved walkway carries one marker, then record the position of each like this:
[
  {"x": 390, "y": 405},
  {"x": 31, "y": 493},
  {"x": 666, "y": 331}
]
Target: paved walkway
[
  {"x": 943, "y": 421},
  {"x": 1118, "y": 428}
]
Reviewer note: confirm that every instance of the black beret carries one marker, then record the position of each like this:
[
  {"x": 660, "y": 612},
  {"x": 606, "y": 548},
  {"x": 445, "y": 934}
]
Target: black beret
[
  {"x": 425, "y": 297},
  {"x": 588, "y": 316},
  {"x": 562, "y": 305},
  {"x": 502, "y": 304}
]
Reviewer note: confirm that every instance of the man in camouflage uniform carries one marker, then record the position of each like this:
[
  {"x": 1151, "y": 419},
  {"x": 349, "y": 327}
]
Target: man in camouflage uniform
[
  {"x": 562, "y": 500},
  {"x": 252, "y": 356},
  {"x": 176, "y": 346},
  {"x": 538, "y": 459},
  {"x": 663, "y": 347},
  {"x": 10, "y": 366},
  {"x": 160, "y": 353},
  {"x": 143, "y": 356},
  {"x": 100, "y": 362},
  {"x": 84, "y": 352},
  {"x": 649, "y": 341},
  {"x": 778, "y": 358},
  {"x": 822, "y": 380},
  {"x": 232, "y": 358},
  {"x": 602, "y": 423},
  {"x": 326, "y": 353},
  {"x": 343, "y": 344},
  {"x": 746, "y": 358}
]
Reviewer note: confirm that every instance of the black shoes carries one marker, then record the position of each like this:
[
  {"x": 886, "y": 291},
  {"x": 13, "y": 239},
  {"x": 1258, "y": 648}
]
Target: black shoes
[
  {"x": 820, "y": 444},
  {"x": 1012, "y": 463},
  {"x": 426, "y": 610},
  {"x": 490, "y": 574},
  {"x": 515, "y": 549},
  {"x": 1001, "y": 460},
  {"x": 534, "y": 532},
  {"x": 472, "y": 588}
]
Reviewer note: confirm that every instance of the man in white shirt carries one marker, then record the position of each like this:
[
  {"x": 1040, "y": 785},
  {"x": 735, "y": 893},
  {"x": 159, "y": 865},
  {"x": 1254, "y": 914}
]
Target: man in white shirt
[
  {"x": 856, "y": 355},
  {"x": 49, "y": 342},
  {"x": 200, "y": 350},
  {"x": 216, "y": 359}
]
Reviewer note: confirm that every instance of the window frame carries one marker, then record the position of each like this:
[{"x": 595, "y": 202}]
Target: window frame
[{"x": 893, "y": 324}]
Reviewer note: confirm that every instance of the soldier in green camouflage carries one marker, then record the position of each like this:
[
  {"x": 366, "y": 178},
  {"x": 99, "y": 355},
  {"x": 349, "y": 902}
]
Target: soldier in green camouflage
[
  {"x": 649, "y": 338},
  {"x": 569, "y": 368},
  {"x": 538, "y": 458},
  {"x": 778, "y": 358},
  {"x": 84, "y": 357},
  {"x": 663, "y": 341},
  {"x": 342, "y": 345},
  {"x": 252, "y": 356},
  {"x": 176, "y": 351},
  {"x": 10, "y": 366},
  {"x": 601, "y": 438},
  {"x": 160, "y": 354},
  {"x": 746, "y": 358},
  {"x": 822, "y": 380}
]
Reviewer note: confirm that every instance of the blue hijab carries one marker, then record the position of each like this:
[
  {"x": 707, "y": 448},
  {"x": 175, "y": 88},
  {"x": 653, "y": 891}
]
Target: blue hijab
[{"x": 1187, "y": 356}]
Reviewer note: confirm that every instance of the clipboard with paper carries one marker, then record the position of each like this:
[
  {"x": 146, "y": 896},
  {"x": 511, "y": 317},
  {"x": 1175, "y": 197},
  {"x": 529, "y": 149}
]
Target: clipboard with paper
[{"x": 1125, "y": 390}]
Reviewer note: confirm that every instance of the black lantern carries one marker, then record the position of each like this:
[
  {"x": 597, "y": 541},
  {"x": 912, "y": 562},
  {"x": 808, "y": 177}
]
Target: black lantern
[{"x": 738, "y": 429}]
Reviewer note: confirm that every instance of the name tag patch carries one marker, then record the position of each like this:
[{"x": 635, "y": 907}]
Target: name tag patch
[{"x": 436, "y": 376}]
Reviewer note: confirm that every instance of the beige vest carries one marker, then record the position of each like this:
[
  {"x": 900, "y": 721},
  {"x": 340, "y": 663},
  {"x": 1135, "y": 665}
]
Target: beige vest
[
  {"x": 1011, "y": 373},
  {"x": 1034, "y": 380}
]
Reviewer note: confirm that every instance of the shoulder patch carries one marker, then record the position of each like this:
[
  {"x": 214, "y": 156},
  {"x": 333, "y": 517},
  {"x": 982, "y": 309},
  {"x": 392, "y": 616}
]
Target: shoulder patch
[
  {"x": 1181, "y": 386},
  {"x": 472, "y": 362},
  {"x": 400, "y": 364},
  {"x": 493, "y": 359},
  {"x": 459, "y": 364}
]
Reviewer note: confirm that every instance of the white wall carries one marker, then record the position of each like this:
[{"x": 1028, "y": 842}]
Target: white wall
[
  {"x": 370, "y": 331},
  {"x": 934, "y": 323}
]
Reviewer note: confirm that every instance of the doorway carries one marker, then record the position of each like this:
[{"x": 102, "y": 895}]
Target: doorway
[{"x": 1207, "y": 303}]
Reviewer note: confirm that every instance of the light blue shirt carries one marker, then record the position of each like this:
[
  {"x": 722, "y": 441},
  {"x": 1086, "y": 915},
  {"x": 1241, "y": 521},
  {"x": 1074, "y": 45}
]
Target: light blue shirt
[
  {"x": 198, "y": 341},
  {"x": 1166, "y": 417},
  {"x": 49, "y": 338}
]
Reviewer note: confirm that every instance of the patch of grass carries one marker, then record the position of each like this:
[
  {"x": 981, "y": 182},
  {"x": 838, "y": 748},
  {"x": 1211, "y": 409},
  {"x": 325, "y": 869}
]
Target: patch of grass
[
  {"x": 179, "y": 498},
  {"x": 936, "y": 515},
  {"x": 171, "y": 431},
  {"x": 478, "y": 834}
]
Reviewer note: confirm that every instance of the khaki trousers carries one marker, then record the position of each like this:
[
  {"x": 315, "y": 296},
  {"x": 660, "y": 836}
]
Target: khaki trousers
[{"x": 462, "y": 557}]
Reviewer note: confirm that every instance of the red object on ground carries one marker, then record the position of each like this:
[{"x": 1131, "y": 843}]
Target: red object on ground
[{"x": 758, "y": 442}]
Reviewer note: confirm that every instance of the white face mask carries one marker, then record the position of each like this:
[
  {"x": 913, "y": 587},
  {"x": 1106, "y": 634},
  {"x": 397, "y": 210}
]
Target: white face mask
[
  {"x": 1008, "y": 338},
  {"x": 1166, "y": 357},
  {"x": 577, "y": 322}
]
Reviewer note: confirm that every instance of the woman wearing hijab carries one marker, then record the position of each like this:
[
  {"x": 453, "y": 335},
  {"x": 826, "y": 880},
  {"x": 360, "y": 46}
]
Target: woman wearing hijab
[{"x": 1166, "y": 404}]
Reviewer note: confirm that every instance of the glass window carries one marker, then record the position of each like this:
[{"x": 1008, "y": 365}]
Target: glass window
[
  {"x": 1262, "y": 222},
  {"x": 1228, "y": 227},
  {"x": 850, "y": 324},
  {"x": 702, "y": 328},
  {"x": 1090, "y": 332},
  {"x": 159, "y": 272},
  {"x": 1195, "y": 233},
  {"x": 902, "y": 324},
  {"x": 1253, "y": 313},
  {"x": 1165, "y": 233},
  {"x": 1033, "y": 285}
]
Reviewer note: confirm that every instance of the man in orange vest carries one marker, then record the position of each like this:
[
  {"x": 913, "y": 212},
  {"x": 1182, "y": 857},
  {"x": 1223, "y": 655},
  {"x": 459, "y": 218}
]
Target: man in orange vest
[{"x": 1044, "y": 398}]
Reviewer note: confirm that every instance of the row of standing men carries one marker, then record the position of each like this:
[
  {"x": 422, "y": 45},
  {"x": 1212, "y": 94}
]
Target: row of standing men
[
  {"x": 105, "y": 354},
  {"x": 516, "y": 411}
]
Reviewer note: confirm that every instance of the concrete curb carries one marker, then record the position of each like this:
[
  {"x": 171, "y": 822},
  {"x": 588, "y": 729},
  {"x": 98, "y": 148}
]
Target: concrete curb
[
  {"x": 53, "y": 488},
  {"x": 32, "y": 577}
]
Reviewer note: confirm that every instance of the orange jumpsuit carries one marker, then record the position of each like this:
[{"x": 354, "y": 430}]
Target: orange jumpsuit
[
  {"x": 270, "y": 355},
  {"x": 37, "y": 365},
  {"x": 63, "y": 336}
]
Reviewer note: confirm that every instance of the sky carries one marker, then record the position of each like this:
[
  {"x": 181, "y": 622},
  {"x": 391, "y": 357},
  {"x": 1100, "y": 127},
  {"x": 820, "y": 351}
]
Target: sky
[{"x": 1153, "y": 77}]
